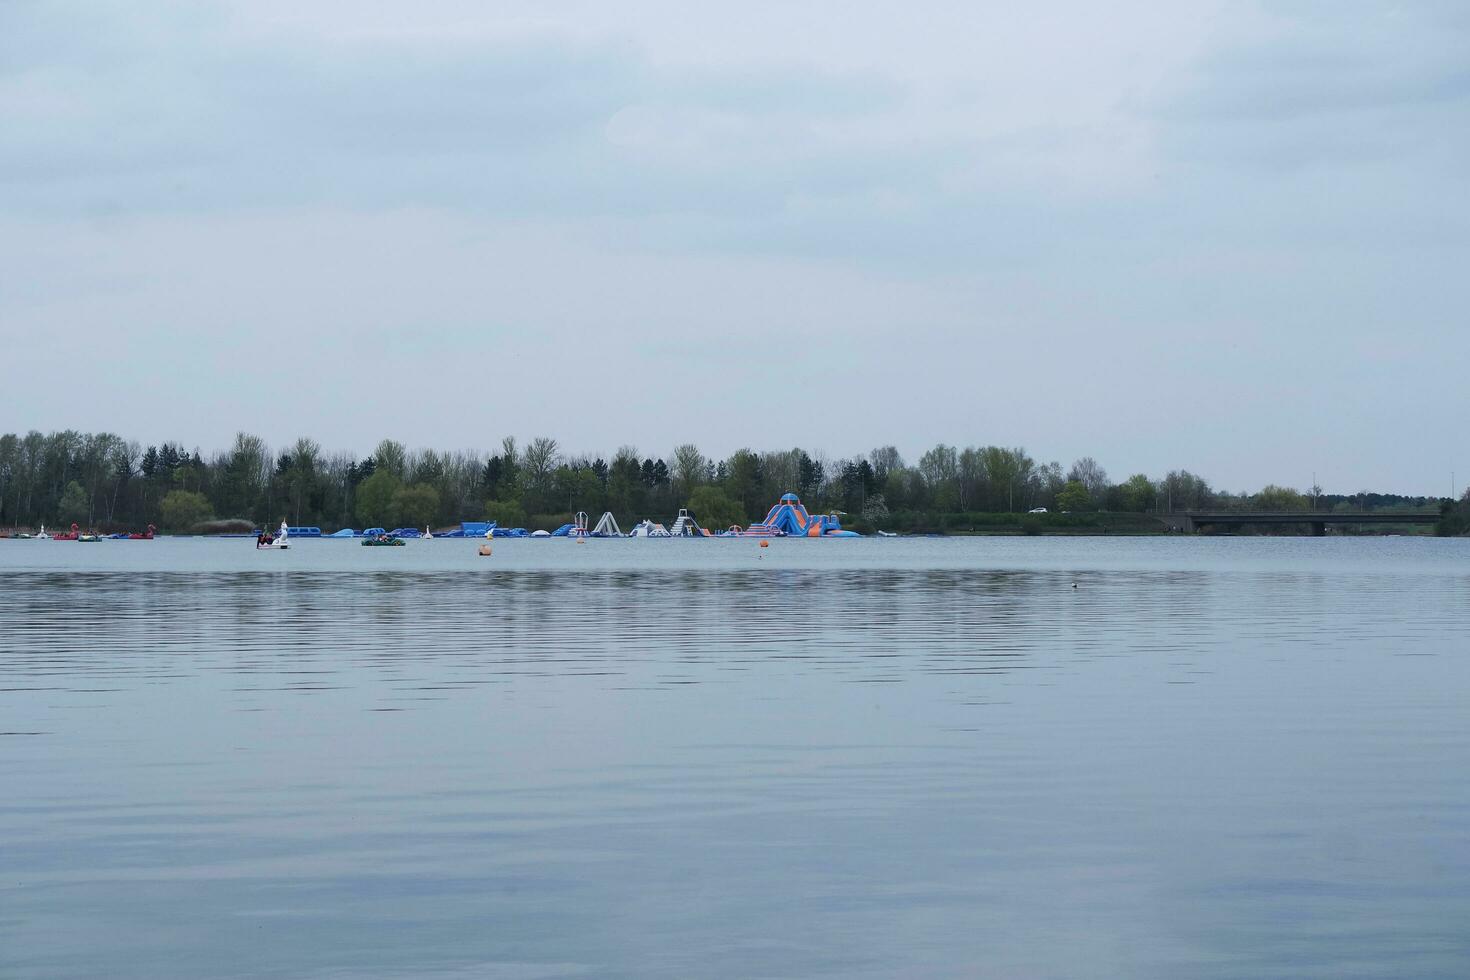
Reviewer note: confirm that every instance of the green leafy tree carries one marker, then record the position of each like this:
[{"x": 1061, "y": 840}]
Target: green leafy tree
[
  {"x": 377, "y": 499},
  {"x": 1091, "y": 475},
  {"x": 505, "y": 513},
  {"x": 1008, "y": 473},
  {"x": 939, "y": 464},
  {"x": 301, "y": 477},
  {"x": 1074, "y": 497},
  {"x": 415, "y": 504},
  {"x": 970, "y": 478},
  {"x": 625, "y": 487},
  {"x": 243, "y": 475},
  {"x": 810, "y": 474},
  {"x": 1454, "y": 518},
  {"x": 580, "y": 488},
  {"x": 1138, "y": 494},
  {"x": 744, "y": 481},
  {"x": 1182, "y": 490},
  {"x": 1274, "y": 498},
  {"x": 1048, "y": 481},
  {"x": 896, "y": 488},
  {"x": 185, "y": 509},
  {"x": 74, "y": 504},
  {"x": 714, "y": 509},
  {"x": 689, "y": 468}
]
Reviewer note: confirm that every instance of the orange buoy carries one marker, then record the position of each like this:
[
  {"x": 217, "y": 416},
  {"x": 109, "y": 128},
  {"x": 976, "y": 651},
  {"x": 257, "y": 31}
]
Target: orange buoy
[
  {"x": 485, "y": 551},
  {"x": 765, "y": 544}
]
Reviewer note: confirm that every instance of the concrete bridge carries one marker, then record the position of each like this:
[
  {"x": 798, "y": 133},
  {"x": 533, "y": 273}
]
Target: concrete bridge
[{"x": 1194, "y": 520}]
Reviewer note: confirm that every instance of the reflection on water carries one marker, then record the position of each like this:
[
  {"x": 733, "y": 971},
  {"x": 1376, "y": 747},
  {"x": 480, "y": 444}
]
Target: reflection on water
[{"x": 924, "y": 761}]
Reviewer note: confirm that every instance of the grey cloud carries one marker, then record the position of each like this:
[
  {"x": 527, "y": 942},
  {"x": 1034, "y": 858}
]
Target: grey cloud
[
  {"x": 526, "y": 198},
  {"x": 1290, "y": 84},
  {"x": 405, "y": 102},
  {"x": 1335, "y": 86},
  {"x": 510, "y": 128},
  {"x": 778, "y": 90}
]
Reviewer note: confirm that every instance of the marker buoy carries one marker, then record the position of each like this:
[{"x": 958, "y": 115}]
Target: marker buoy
[
  {"x": 484, "y": 551},
  {"x": 765, "y": 544}
]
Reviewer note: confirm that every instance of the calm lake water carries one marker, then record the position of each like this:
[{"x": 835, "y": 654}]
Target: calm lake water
[{"x": 1214, "y": 757}]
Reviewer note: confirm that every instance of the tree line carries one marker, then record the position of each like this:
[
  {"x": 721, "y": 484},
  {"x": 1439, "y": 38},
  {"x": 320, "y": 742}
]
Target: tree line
[{"x": 101, "y": 480}]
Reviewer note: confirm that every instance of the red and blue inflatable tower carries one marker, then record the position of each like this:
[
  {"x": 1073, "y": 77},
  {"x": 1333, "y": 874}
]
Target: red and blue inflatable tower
[{"x": 789, "y": 518}]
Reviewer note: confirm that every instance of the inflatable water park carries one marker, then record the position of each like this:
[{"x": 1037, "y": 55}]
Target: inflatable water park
[{"x": 788, "y": 518}]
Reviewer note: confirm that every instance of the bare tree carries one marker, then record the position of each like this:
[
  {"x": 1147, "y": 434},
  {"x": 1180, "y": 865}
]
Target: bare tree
[
  {"x": 538, "y": 463},
  {"x": 302, "y": 478},
  {"x": 391, "y": 456},
  {"x": 885, "y": 460},
  {"x": 125, "y": 456},
  {"x": 689, "y": 468},
  {"x": 1088, "y": 472}
]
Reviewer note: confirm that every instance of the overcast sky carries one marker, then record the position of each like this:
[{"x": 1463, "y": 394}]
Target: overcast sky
[{"x": 1224, "y": 237}]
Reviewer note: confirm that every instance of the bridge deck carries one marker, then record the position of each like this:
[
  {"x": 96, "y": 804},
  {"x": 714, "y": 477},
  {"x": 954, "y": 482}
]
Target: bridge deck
[
  {"x": 1316, "y": 521},
  {"x": 1311, "y": 517}
]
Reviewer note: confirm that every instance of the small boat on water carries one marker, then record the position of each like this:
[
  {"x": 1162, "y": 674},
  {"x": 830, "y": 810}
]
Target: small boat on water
[
  {"x": 427, "y": 533},
  {"x": 384, "y": 541},
  {"x": 67, "y": 536},
  {"x": 43, "y": 536},
  {"x": 89, "y": 536},
  {"x": 267, "y": 543}
]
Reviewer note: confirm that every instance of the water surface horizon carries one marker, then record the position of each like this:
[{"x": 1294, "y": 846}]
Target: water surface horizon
[{"x": 1048, "y": 757}]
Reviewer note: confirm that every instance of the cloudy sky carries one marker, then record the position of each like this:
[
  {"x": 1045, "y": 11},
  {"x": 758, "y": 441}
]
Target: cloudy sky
[{"x": 1227, "y": 237}]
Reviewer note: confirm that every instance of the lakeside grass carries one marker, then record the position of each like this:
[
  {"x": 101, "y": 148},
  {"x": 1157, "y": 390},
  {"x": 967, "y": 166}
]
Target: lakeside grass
[{"x": 1103, "y": 523}]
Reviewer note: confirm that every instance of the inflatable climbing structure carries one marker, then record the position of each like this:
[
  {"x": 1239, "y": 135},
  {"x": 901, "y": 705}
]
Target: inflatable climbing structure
[{"x": 790, "y": 519}]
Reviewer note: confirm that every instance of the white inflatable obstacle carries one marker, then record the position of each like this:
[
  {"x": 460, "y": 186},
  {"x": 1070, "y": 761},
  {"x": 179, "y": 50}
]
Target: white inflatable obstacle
[
  {"x": 648, "y": 529},
  {"x": 685, "y": 526}
]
